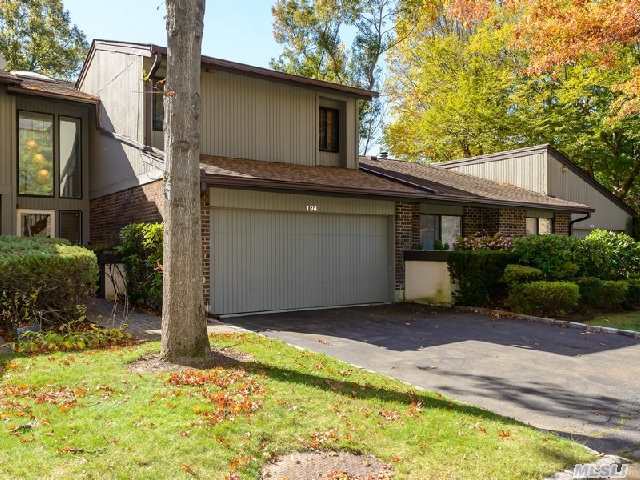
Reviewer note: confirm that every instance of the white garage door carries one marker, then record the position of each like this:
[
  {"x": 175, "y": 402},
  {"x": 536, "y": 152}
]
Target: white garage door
[{"x": 274, "y": 260}]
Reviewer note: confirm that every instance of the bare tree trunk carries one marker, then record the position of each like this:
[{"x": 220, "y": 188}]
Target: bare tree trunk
[{"x": 184, "y": 328}]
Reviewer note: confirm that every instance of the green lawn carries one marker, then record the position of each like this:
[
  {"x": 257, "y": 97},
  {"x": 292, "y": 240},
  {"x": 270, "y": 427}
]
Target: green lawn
[
  {"x": 623, "y": 321},
  {"x": 85, "y": 415}
]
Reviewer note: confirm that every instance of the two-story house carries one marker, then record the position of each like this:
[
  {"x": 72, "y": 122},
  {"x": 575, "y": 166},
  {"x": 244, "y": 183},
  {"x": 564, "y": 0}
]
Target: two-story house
[{"x": 291, "y": 216}]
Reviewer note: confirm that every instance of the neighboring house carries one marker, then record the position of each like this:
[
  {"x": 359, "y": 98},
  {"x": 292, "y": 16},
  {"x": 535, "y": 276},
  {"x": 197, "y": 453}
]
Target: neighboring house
[
  {"x": 45, "y": 126},
  {"x": 291, "y": 216},
  {"x": 545, "y": 170}
]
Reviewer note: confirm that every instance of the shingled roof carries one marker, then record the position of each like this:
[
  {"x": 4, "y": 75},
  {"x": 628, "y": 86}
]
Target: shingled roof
[
  {"x": 50, "y": 88},
  {"x": 234, "y": 172},
  {"x": 447, "y": 185}
]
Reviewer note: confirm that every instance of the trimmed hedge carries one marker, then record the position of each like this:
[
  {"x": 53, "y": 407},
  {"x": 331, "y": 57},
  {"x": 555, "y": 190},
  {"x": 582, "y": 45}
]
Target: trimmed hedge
[
  {"x": 141, "y": 250},
  {"x": 542, "y": 297},
  {"x": 555, "y": 255},
  {"x": 633, "y": 293},
  {"x": 44, "y": 281},
  {"x": 603, "y": 294},
  {"x": 478, "y": 274},
  {"x": 517, "y": 274}
]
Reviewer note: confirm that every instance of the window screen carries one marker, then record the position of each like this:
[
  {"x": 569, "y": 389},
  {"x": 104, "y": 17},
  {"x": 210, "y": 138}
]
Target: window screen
[{"x": 70, "y": 158}]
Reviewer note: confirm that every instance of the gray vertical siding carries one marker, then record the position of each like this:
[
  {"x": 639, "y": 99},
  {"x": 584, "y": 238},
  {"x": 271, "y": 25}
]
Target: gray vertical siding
[
  {"x": 564, "y": 183},
  {"x": 7, "y": 162},
  {"x": 247, "y": 117},
  {"x": 527, "y": 171}
]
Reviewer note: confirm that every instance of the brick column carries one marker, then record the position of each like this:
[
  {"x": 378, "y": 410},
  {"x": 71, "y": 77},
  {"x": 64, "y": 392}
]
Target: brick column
[
  {"x": 561, "y": 223},
  {"x": 479, "y": 219},
  {"x": 407, "y": 237},
  {"x": 205, "y": 230},
  {"x": 513, "y": 222}
]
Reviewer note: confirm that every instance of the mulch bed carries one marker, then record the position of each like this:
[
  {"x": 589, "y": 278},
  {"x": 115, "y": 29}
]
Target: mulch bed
[{"x": 326, "y": 466}]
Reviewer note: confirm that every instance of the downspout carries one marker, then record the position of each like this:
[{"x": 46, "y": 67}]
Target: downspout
[{"x": 586, "y": 217}]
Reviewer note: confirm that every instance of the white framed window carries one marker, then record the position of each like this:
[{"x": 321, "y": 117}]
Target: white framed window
[
  {"x": 539, "y": 226},
  {"x": 36, "y": 223}
]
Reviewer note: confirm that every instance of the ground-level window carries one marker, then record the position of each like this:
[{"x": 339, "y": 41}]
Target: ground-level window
[
  {"x": 35, "y": 154},
  {"x": 36, "y": 223},
  {"x": 539, "y": 226},
  {"x": 70, "y": 226},
  {"x": 439, "y": 232}
]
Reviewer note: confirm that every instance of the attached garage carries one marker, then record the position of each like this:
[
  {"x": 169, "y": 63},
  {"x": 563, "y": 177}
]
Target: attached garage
[{"x": 278, "y": 251}]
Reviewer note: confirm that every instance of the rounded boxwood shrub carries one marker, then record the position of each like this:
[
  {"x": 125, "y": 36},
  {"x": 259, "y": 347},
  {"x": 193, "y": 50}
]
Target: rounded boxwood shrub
[
  {"x": 603, "y": 294},
  {"x": 548, "y": 298},
  {"x": 477, "y": 274},
  {"x": 516, "y": 274},
  {"x": 44, "y": 281},
  {"x": 555, "y": 255}
]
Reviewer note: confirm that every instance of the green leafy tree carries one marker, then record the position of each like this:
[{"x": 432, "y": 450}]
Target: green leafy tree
[
  {"x": 340, "y": 41},
  {"x": 37, "y": 35}
]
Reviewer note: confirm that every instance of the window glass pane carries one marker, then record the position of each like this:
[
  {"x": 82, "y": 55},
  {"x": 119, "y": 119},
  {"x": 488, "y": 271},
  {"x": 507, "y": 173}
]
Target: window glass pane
[
  {"x": 35, "y": 154},
  {"x": 544, "y": 226},
  {"x": 451, "y": 230},
  {"x": 70, "y": 173},
  {"x": 36, "y": 224},
  {"x": 532, "y": 226},
  {"x": 428, "y": 231},
  {"x": 71, "y": 226},
  {"x": 329, "y": 129},
  {"x": 158, "y": 105}
]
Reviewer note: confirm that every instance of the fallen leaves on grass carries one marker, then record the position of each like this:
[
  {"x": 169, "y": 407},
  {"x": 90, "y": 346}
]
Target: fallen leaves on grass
[
  {"x": 389, "y": 415},
  {"x": 232, "y": 392},
  {"x": 188, "y": 469}
]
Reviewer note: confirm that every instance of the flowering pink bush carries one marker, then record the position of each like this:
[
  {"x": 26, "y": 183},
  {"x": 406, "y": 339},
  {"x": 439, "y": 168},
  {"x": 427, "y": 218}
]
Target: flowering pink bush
[{"x": 482, "y": 241}]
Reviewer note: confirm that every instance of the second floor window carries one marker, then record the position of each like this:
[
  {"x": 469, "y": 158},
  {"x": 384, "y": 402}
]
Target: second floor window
[
  {"x": 157, "y": 106},
  {"x": 329, "y": 130}
]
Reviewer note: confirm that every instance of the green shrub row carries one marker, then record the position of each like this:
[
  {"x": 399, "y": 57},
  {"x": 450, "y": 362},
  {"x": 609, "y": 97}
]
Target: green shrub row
[
  {"x": 141, "y": 250},
  {"x": 542, "y": 297},
  {"x": 603, "y": 254},
  {"x": 44, "y": 281},
  {"x": 477, "y": 275}
]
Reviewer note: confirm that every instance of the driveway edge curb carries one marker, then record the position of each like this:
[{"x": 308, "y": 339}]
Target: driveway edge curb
[{"x": 504, "y": 314}]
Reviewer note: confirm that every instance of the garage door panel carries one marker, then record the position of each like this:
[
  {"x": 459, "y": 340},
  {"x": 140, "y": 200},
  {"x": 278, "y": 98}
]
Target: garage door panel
[{"x": 264, "y": 260}]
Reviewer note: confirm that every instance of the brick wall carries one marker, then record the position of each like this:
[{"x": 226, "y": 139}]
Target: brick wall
[
  {"x": 143, "y": 204},
  {"x": 112, "y": 212},
  {"x": 509, "y": 221},
  {"x": 561, "y": 223},
  {"x": 512, "y": 222},
  {"x": 407, "y": 236},
  {"x": 479, "y": 219}
]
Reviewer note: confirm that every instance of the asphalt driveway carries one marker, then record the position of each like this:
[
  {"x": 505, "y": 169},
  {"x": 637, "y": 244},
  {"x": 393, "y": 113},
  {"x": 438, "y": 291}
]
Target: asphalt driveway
[{"x": 583, "y": 385}]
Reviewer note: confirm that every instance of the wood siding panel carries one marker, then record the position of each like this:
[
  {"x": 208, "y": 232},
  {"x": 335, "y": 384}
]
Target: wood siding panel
[
  {"x": 564, "y": 183},
  {"x": 526, "y": 171},
  {"x": 7, "y": 162},
  {"x": 256, "y": 200},
  {"x": 117, "y": 78}
]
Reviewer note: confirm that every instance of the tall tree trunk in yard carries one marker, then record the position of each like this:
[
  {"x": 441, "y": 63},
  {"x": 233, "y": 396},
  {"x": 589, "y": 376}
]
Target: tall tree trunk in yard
[{"x": 184, "y": 328}]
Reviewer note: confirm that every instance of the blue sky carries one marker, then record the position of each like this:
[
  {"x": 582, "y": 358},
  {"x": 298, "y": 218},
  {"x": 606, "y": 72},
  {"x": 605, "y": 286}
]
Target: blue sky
[{"x": 238, "y": 30}]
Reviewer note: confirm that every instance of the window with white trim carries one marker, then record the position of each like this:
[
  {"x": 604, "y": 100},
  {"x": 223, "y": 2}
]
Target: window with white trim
[{"x": 36, "y": 223}]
